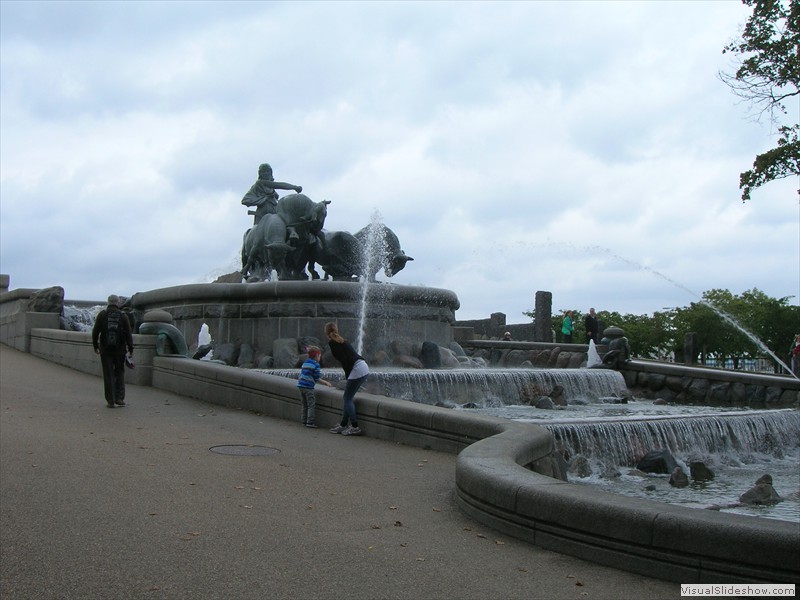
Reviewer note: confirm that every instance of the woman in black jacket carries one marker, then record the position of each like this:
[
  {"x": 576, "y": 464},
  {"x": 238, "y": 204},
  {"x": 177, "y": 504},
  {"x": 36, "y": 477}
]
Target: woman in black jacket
[{"x": 355, "y": 370}]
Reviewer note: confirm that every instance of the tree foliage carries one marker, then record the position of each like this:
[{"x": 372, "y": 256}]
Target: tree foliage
[{"x": 768, "y": 78}]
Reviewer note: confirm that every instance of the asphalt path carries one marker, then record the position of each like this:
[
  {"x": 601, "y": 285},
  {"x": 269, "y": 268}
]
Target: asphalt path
[{"x": 132, "y": 502}]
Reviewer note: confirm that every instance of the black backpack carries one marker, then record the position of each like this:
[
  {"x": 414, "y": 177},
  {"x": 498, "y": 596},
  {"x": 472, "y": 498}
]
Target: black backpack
[{"x": 114, "y": 335}]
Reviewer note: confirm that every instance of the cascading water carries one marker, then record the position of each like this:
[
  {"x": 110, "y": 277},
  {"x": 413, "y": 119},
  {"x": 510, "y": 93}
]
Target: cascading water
[
  {"x": 482, "y": 388},
  {"x": 75, "y": 318},
  {"x": 736, "y": 434},
  {"x": 739, "y": 447}
]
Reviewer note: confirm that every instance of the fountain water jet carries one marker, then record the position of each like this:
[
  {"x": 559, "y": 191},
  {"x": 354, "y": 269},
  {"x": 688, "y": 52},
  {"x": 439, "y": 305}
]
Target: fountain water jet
[
  {"x": 753, "y": 338},
  {"x": 720, "y": 313},
  {"x": 592, "y": 356},
  {"x": 375, "y": 246}
]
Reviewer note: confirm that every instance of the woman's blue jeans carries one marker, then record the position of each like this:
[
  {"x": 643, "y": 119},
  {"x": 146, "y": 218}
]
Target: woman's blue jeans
[{"x": 349, "y": 409}]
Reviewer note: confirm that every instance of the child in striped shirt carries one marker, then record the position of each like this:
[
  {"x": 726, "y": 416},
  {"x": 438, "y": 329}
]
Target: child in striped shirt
[{"x": 309, "y": 376}]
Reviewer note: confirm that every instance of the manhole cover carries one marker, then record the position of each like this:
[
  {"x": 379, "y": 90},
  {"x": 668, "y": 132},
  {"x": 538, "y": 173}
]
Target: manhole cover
[{"x": 245, "y": 450}]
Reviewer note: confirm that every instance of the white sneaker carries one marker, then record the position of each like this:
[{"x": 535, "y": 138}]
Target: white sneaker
[
  {"x": 337, "y": 429},
  {"x": 352, "y": 431}
]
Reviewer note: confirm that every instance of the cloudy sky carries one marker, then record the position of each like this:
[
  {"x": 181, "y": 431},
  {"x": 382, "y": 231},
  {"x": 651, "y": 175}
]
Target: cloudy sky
[{"x": 584, "y": 148}]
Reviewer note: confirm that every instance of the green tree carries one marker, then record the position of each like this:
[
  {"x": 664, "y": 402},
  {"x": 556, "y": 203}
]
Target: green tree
[
  {"x": 767, "y": 78},
  {"x": 715, "y": 317},
  {"x": 648, "y": 336}
]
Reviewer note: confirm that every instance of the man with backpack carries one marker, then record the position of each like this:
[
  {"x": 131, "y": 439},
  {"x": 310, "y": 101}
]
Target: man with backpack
[{"x": 111, "y": 337}]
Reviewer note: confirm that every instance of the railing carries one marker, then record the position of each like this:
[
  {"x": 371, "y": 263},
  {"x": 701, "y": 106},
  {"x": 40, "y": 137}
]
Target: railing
[
  {"x": 751, "y": 365},
  {"x": 755, "y": 365}
]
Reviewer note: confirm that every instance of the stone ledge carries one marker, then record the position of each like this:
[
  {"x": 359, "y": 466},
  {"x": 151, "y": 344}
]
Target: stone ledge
[
  {"x": 74, "y": 349},
  {"x": 290, "y": 290},
  {"x": 685, "y": 384},
  {"x": 699, "y": 371}
]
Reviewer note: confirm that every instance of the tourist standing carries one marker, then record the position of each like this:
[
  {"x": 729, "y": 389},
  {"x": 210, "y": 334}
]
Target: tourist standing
[
  {"x": 111, "y": 336},
  {"x": 591, "y": 325},
  {"x": 567, "y": 327},
  {"x": 310, "y": 374},
  {"x": 355, "y": 370},
  {"x": 796, "y": 355}
]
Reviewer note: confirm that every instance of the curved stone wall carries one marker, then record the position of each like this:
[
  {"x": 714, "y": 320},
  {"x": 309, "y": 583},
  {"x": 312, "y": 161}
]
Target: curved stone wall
[
  {"x": 675, "y": 543},
  {"x": 259, "y": 313}
]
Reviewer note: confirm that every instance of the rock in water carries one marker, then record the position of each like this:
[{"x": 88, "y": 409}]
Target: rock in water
[
  {"x": 657, "y": 461},
  {"x": 678, "y": 478}
]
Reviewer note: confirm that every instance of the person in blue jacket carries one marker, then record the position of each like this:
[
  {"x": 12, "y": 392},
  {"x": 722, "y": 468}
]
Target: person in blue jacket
[{"x": 310, "y": 375}]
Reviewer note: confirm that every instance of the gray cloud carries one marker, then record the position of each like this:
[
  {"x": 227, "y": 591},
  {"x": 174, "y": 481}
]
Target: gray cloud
[{"x": 584, "y": 148}]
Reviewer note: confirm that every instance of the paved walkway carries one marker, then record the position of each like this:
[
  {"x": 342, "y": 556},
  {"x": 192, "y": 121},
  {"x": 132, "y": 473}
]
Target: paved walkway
[{"x": 131, "y": 503}]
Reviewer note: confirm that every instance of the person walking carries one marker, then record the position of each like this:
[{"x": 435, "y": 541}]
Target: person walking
[
  {"x": 310, "y": 375},
  {"x": 111, "y": 336},
  {"x": 567, "y": 327},
  {"x": 355, "y": 370},
  {"x": 592, "y": 326}
]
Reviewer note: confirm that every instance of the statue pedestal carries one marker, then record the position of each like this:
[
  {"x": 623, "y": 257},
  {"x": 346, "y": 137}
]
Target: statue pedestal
[{"x": 260, "y": 313}]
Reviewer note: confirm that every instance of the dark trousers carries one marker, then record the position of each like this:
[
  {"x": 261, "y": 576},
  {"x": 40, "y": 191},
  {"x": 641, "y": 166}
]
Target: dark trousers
[
  {"x": 308, "y": 402},
  {"x": 113, "y": 376}
]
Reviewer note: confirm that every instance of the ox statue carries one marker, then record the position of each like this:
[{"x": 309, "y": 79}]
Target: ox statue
[
  {"x": 385, "y": 252},
  {"x": 344, "y": 256},
  {"x": 304, "y": 221},
  {"x": 264, "y": 249},
  {"x": 339, "y": 255},
  {"x": 281, "y": 241}
]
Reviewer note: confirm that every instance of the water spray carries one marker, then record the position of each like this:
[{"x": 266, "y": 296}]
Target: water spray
[
  {"x": 722, "y": 314},
  {"x": 375, "y": 247}
]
